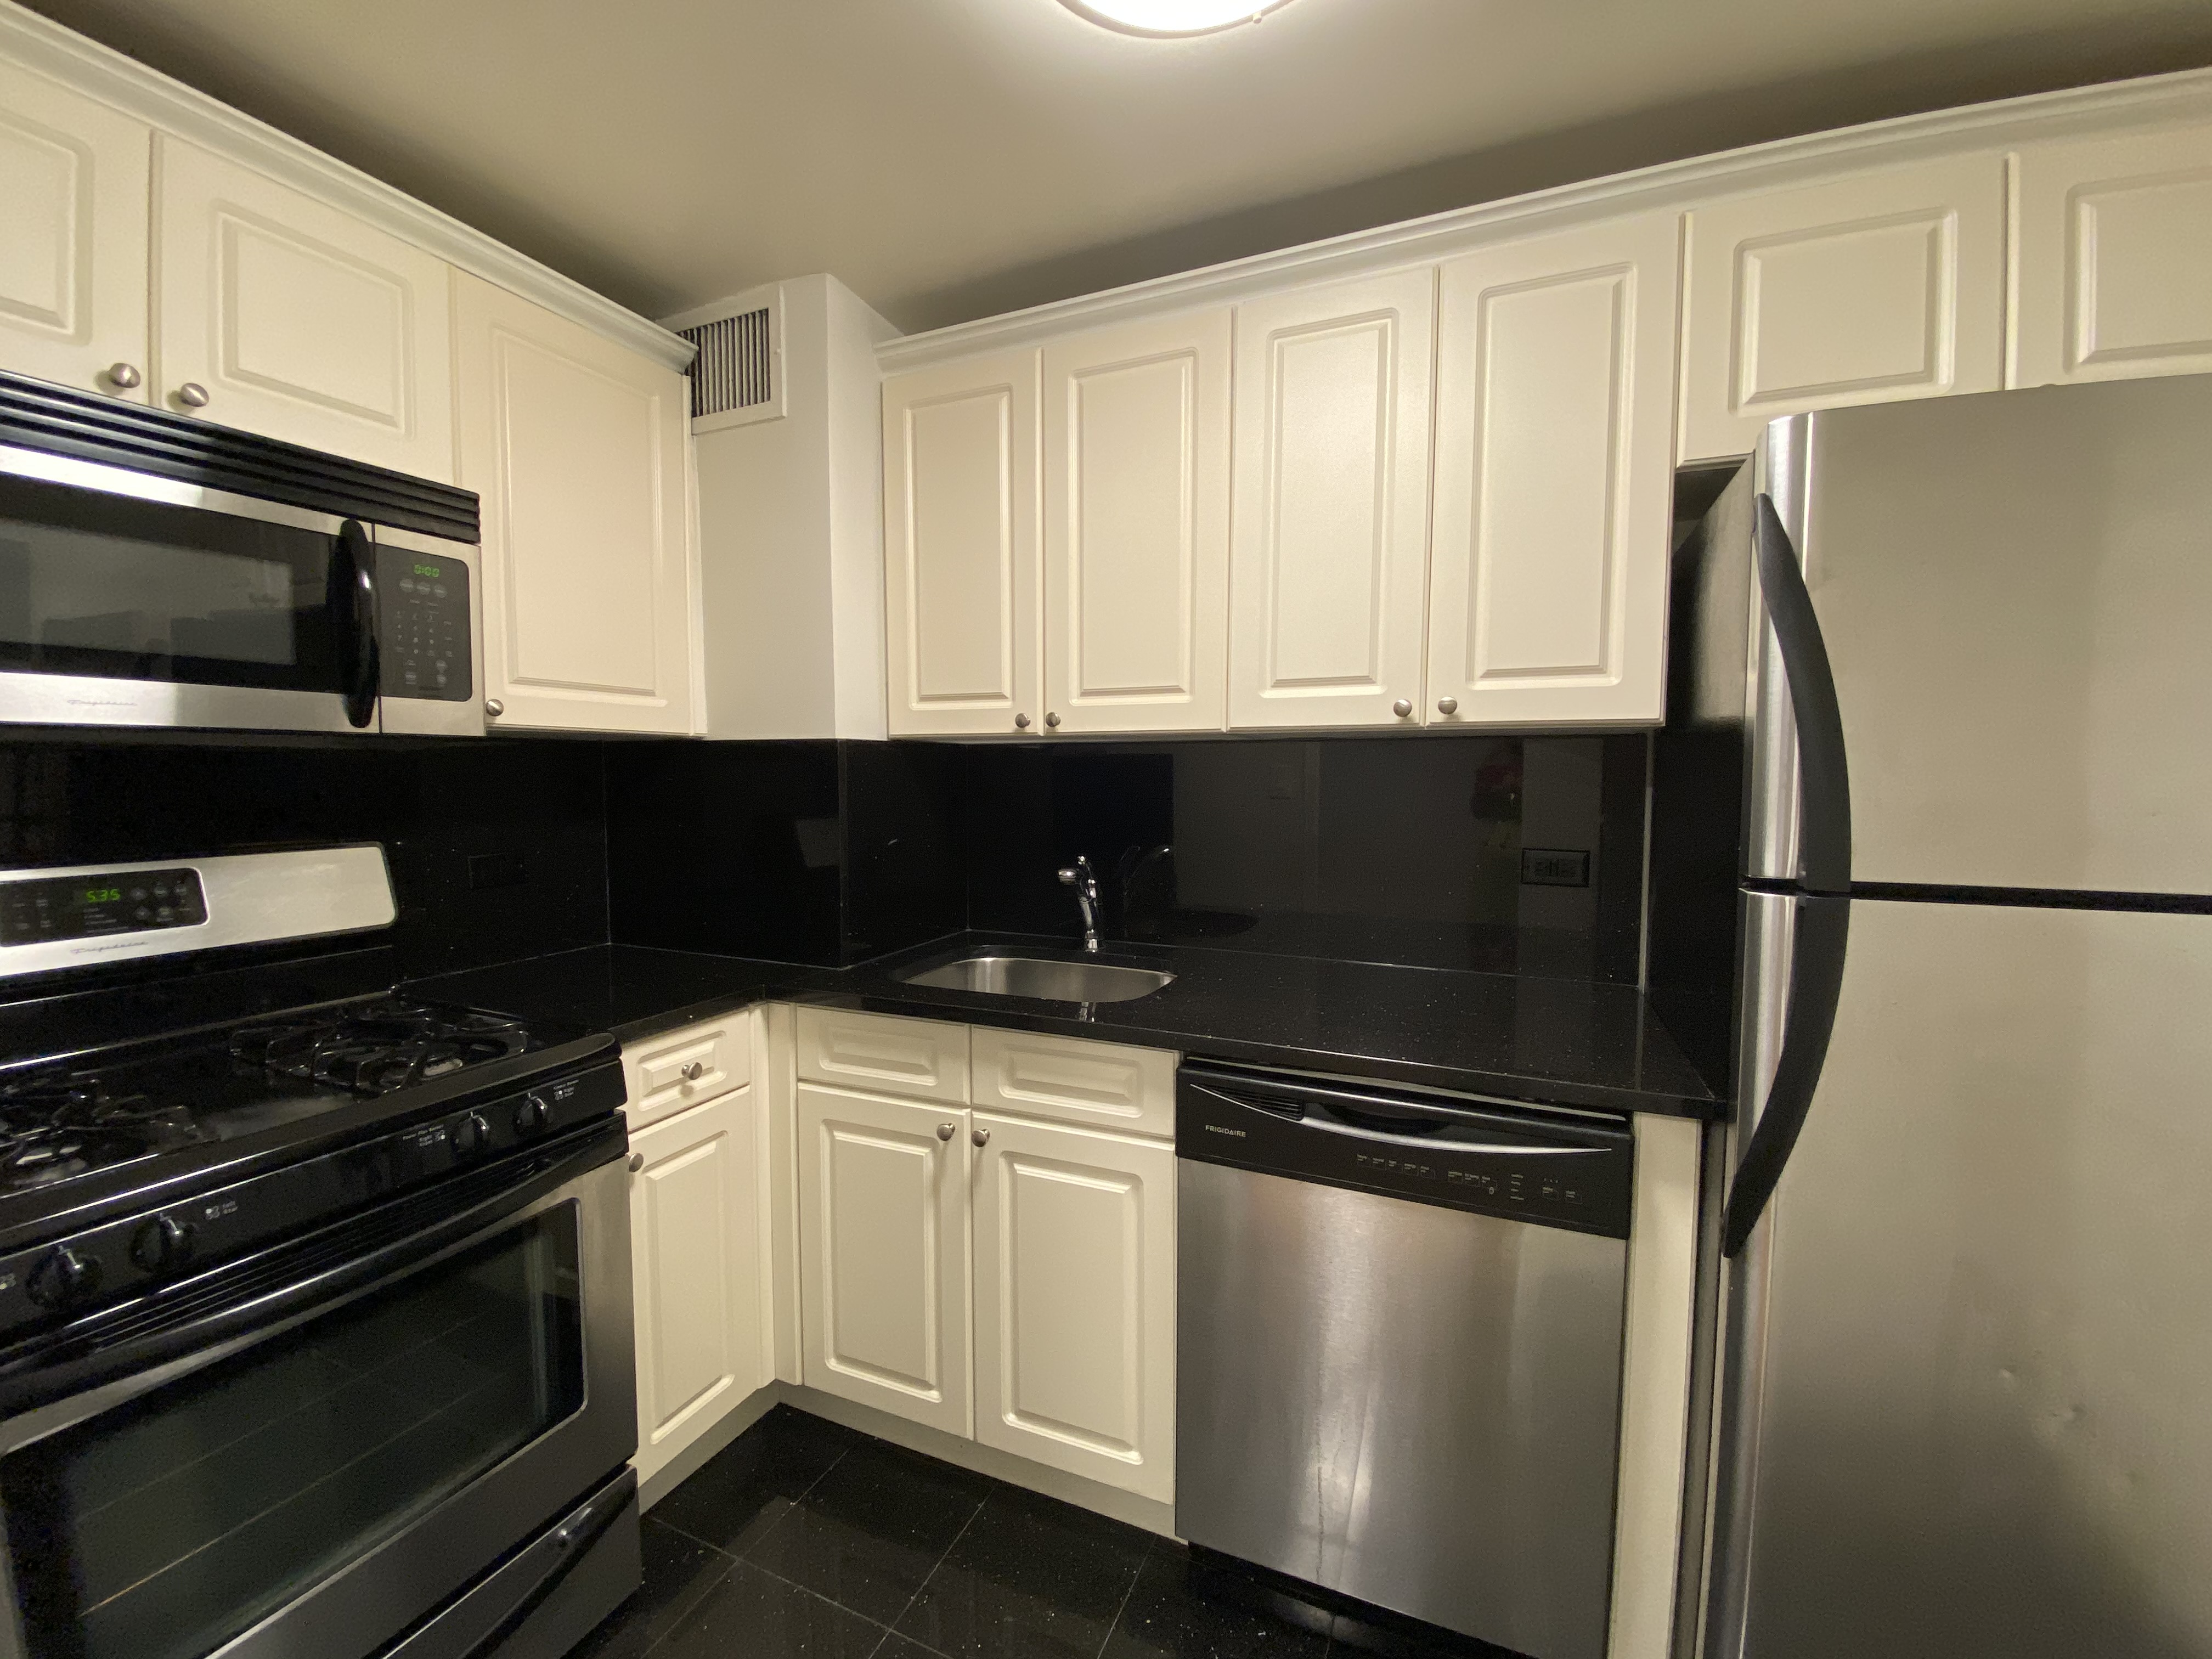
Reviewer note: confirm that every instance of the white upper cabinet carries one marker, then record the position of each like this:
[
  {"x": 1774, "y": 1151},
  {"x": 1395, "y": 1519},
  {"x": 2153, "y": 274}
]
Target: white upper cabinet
[
  {"x": 581, "y": 450},
  {"x": 1136, "y": 526},
  {"x": 1075, "y": 1300},
  {"x": 883, "y": 1246},
  {"x": 279, "y": 314},
  {"x": 695, "y": 1210},
  {"x": 74, "y": 176},
  {"x": 1329, "y": 542},
  {"x": 1547, "y": 586},
  {"x": 2113, "y": 253},
  {"x": 960, "y": 544},
  {"x": 1883, "y": 285}
]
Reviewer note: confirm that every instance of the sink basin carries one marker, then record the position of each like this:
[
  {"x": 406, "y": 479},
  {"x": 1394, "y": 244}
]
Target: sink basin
[{"x": 1038, "y": 976}]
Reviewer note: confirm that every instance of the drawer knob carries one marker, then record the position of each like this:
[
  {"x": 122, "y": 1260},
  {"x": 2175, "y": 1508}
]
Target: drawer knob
[
  {"x": 495, "y": 708},
  {"x": 124, "y": 376},
  {"x": 1021, "y": 722},
  {"x": 696, "y": 1070},
  {"x": 1052, "y": 720},
  {"x": 636, "y": 1162},
  {"x": 1447, "y": 705},
  {"x": 946, "y": 1131},
  {"x": 981, "y": 1136},
  {"x": 192, "y": 395},
  {"x": 1402, "y": 709}
]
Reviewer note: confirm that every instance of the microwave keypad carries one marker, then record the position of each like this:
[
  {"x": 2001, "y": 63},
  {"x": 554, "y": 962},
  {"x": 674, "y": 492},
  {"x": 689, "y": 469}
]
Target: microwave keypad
[
  {"x": 423, "y": 625},
  {"x": 54, "y": 907}
]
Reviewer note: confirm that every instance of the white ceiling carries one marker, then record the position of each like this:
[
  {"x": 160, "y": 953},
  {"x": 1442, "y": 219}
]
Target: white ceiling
[{"x": 950, "y": 159}]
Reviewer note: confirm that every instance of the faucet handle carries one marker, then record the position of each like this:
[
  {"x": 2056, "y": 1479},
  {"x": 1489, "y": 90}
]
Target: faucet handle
[
  {"x": 1068, "y": 878},
  {"x": 1080, "y": 871}
]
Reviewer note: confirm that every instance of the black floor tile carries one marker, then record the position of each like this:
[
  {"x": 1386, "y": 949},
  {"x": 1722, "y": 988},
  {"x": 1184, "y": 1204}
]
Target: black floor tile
[
  {"x": 750, "y": 1483},
  {"x": 752, "y": 1613},
  {"x": 868, "y": 1531},
  {"x": 1030, "y": 1578},
  {"x": 1182, "y": 1608},
  {"x": 679, "y": 1573},
  {"x": 897, "y": 1647}
]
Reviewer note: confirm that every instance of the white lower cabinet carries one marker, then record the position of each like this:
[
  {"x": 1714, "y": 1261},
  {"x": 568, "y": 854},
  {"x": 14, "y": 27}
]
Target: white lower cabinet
[
  {"x": 1075, "y": 1239},
  {"x": 695, "y": 1246},
  {"x": 883, "y": 1224}
]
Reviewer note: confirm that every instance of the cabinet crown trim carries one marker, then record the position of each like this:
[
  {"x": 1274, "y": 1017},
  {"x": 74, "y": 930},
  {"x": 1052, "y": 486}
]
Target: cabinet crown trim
[
  {"x": 1812, "y": 158},
  {"x": 60, "y": 54}
]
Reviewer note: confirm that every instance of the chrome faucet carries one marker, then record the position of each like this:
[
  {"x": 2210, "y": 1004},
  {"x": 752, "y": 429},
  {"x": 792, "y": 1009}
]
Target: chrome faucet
[{"x": 1080, "y": 877}]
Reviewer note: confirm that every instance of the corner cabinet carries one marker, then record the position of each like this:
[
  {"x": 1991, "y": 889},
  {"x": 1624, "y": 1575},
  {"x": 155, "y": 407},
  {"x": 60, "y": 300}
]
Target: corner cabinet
[
  {"x": 1555, "y": 477},
  {"x": 75, "y": 178},
  {"x": 581, "y": 450},
  {"x": 960, "y": 547}
]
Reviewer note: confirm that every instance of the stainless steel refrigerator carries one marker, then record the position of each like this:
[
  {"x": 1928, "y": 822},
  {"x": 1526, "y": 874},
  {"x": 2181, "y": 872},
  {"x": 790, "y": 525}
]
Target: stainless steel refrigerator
[{"x": 1959, "y": 655}]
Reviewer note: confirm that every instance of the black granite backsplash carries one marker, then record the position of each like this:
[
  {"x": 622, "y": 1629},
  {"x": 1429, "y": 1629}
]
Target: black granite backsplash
[
  {"x": 1503, "y": 854},
  {"x": 497, "y": 848}
]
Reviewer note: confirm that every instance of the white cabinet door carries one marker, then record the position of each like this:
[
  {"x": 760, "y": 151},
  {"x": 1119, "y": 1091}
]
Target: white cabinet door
[
  {"x": 1136, "y": 527},
  {"x": 299, "y": 321},
  {"x": 2113, "y": 254},
  {"x": 960, "y": 547},
  {"x": 1075, "y": 1302},
  {"x": 695, "y": 1210},
  {"x": 1328, "y": 551},
  {"x": 74, "y": 182},
  {"x": 1547, "y": 583},
  {"x": 882, "y": 1245},
  {"x": 1884, "y": 285},
  {"x": 581, "y": 453}
]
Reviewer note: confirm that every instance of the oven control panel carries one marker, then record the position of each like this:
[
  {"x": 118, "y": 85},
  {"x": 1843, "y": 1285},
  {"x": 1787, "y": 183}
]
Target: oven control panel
[
  {"x": 53, "y": 909},
  {"x": 423, "y": 627},
  {"x": 150, "y": 1249}
]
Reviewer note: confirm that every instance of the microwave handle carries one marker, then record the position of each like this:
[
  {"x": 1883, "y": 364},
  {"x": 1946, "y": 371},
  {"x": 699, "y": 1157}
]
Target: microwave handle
[{"x": 363, "y": 665}]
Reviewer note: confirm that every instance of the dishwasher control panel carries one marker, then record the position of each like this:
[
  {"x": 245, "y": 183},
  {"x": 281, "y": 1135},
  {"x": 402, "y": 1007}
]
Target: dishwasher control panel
[{"x": 1501, "y": 1160}]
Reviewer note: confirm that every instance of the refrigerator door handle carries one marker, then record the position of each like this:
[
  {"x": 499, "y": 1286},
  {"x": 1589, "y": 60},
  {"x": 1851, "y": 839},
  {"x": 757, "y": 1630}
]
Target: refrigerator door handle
[
  {"x": 1824, "y": 783},
  {"x": 1817, "y": 950}
]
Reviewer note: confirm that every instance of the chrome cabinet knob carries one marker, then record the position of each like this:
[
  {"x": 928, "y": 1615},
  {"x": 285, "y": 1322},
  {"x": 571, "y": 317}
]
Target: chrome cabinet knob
[
  {"x": 1447, "y": 705},
  {"x": 495, "y": 708},
  {"x": 1402, "y": 709},
  {"x": 981, "y": 1136},
  {"x": 946, "y": 1131},
  {"x": 1021, "y": 722},
  {"x": 124, "y": 376},
  {"x": 192, "y": 395},
  {"x": 695, "y": 1071},
  {"x": 1051, "y": 719},
  {"x": 636, "y": 1162}
]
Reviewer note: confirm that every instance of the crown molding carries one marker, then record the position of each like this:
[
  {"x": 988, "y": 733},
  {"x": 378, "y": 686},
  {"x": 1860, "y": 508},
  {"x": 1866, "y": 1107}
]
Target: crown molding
[
  {"x": 2186, "y": 94},
  {"x": 60, "y": 54}
]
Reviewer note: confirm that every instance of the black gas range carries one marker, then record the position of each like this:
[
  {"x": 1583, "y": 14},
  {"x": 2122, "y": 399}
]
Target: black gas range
[{"x": 314, "y": 1295}]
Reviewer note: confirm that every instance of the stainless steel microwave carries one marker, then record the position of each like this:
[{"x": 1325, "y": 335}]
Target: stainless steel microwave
[{"x": 156, "y": 571}]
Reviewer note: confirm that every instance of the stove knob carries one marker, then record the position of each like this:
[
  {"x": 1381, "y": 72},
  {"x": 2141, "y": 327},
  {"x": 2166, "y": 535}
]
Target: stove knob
[
  {"x": 160, "y": 1245},
  {"x": 533, "y": 1115},
  {"x": 62, "y": 1277},
  {"x": 472, "y": 1135}
]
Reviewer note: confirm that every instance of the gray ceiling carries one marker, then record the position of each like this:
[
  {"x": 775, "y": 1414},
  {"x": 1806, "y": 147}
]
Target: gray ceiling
[{"x": 950, "y": 159}]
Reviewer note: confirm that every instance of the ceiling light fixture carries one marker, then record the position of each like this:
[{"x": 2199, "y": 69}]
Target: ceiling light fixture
[{"x": 1172, "y": 17}]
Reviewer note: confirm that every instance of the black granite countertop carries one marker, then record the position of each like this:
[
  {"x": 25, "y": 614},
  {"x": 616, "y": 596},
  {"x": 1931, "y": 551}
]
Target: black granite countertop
[{"x": 1566, "y": 1042}]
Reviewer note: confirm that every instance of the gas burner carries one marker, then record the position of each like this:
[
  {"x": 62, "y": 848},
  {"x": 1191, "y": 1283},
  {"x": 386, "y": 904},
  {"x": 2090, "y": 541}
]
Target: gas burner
[
  {"x": 384, "y": 1046},
  {"x": 56, "y": 1123}
]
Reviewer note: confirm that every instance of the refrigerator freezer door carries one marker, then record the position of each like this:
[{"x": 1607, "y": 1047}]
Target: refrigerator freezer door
[
  {"x": 1975, "y": 1329},
  {"x": 2012, "y": 588}
]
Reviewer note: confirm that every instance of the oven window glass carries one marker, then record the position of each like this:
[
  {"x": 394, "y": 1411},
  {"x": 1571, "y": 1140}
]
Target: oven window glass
[
  {"x": 161, "y": 1528},
  {"x": 104, "y": 585}
]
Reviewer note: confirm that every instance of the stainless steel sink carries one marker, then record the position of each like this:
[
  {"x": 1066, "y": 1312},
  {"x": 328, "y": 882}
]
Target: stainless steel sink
[{"x": 1038, "y": 976}]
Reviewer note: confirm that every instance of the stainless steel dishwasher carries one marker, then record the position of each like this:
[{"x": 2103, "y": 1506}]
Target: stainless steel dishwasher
[{"x": 1399, "y": 1336}]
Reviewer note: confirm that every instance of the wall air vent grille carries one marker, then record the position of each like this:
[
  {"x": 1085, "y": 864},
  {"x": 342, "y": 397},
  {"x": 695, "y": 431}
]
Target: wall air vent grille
[{"x": 737, "y": 369}]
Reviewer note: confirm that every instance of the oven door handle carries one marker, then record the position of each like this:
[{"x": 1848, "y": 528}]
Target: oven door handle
[{"x": 106, "y": 1358}]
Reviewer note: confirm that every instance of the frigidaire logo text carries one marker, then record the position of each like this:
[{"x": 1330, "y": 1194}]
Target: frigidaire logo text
[{"x": 1216, "y": 1129}]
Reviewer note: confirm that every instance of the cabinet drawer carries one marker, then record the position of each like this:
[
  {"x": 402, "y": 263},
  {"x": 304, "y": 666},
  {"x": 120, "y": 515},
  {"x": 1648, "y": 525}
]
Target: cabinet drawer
[
  {"x": 1103, "y": 1085},
  {"x": 684, "y": 1067},
  {"x": 924, "y": 1058}
]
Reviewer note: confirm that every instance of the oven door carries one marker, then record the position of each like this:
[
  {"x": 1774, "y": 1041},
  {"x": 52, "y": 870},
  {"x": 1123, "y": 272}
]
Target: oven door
[
  {"x": 127, "y": 599},
  {"x": 321, "y": 1482}
]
